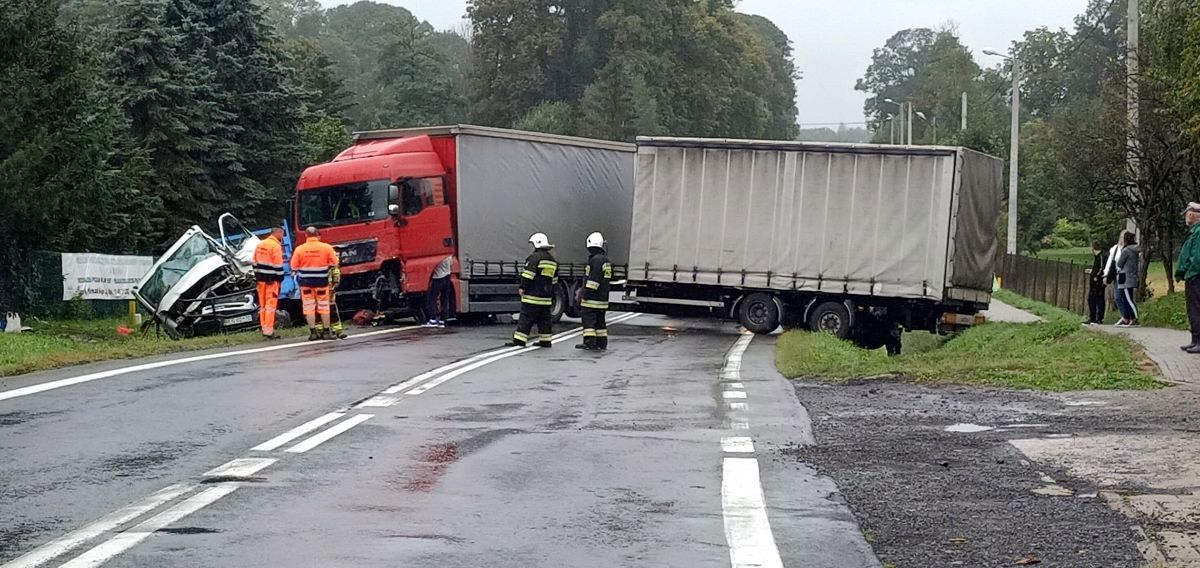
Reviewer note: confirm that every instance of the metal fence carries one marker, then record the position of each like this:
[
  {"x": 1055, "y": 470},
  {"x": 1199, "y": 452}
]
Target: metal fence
[
  {"x": 1061, "y": 284},
  {"x": 37, "y": 290}
]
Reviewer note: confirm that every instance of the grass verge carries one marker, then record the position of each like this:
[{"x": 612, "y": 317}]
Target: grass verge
[
  {"x": 1055, "y": 355},
  {"x": 56, "y": 344},
  {"x": 1165, "y": 311}
]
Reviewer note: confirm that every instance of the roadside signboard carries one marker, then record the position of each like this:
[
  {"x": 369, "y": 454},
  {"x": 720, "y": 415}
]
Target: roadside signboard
[{"x": 102, "y": 276}]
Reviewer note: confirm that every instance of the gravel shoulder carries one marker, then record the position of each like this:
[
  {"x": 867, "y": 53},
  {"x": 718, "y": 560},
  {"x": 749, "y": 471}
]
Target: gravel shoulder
[{"x": 926, "y": 496}]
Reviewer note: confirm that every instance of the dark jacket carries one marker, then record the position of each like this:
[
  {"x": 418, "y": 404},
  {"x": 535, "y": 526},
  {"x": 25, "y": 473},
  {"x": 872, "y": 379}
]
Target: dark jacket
[
  {"x": 1096, "y": 280},
  {"x": 597, "y": 282},
  {"x": 539, "y": 278}
]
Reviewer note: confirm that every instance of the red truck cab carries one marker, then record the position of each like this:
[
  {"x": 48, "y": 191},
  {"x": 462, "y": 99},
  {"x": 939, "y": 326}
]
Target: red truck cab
[{"x": 386, "y": 207}]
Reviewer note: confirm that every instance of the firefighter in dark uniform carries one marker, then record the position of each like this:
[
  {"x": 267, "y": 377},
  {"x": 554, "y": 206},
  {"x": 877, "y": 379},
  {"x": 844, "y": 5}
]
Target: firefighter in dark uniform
[
  {"x": 593, "y": 297},
  {"x": 537, "y": 293}
]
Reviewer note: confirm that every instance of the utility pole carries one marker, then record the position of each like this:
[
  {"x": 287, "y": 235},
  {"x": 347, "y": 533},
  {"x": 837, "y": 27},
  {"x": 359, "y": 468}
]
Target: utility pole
[
  {"x": 909, "y": 123},
  {"x": 1014, "y": 152},
  {"x": 892, "y": 120},
  {"x": 933, "y": 122},
  {"x": 1133, "y": 34},
  {"x": 964, "y": 112}
]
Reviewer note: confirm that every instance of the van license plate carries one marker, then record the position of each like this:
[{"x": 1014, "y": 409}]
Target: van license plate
[{"x": 239, "y": 320}]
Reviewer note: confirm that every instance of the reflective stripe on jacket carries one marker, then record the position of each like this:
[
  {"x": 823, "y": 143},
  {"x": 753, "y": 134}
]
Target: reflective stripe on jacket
[
  {"x": 268, "y": 260},
  {"x": 313, "y": 261},
  {"x": 539, "y": 278}
]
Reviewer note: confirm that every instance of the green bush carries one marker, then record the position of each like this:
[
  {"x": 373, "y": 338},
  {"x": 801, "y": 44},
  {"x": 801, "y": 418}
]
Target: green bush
[{"x": 1165, "y": 311}]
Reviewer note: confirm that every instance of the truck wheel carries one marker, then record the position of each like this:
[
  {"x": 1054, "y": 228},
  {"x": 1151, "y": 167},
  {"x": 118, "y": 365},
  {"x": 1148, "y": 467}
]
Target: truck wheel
[
  {"x": 572, "y": 309},
  {"x": 759, "y": 313},
  {"x": 832, "y": 318},
  {"x": 559, "y": 307}
]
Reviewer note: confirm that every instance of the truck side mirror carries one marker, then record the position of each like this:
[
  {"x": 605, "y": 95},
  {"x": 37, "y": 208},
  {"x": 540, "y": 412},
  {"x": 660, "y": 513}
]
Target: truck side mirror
[
  {"x": 394, "y": 197},
  {"x": 393, "y": 209}
]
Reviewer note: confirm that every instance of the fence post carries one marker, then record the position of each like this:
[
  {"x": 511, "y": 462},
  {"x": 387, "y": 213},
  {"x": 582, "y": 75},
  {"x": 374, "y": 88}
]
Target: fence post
[{"x": 1058, "y": 301}]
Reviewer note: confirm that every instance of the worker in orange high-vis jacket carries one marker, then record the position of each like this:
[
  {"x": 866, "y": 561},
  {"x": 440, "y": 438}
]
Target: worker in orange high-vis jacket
[
  {"x": 268, "y": 271},
  {"x": 314, "y": 263}
]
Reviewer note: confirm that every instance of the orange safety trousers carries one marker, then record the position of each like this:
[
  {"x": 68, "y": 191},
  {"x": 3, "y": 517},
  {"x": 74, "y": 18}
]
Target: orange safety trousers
[
  {"x": 268, "y": 302},
  {"x": 315, "y": 300}
]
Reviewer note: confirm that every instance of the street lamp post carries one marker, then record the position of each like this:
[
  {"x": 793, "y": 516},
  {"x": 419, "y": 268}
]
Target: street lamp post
[
  {"x": 892, "y": 121},
  {"x": 1014, "y": 151},
  {"x": 901, "y": 107},
  {"x": 932, "y": 123}
]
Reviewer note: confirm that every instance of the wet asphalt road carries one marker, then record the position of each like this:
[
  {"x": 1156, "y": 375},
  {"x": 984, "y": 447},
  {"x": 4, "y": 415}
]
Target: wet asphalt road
[{"x": 539, "y": 458}]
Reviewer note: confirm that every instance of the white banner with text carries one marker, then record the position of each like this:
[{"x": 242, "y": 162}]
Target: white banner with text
[{"x": 102, "y": 276}]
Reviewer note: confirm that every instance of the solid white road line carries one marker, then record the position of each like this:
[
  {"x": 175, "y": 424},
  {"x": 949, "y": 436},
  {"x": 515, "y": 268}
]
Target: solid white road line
[
  {"x": 747, "y": 529},
  {"x": 75, "y": 538},
  {"x": 280, "y": 440},
  {"x": 124, "y": 541},
  {"x": 241, "y": 467},
  {"x": 733, "y": 394},
  {"x": 381, "y": 401},
  {"x": 737, "y": 445},
  {"x": 329, "y": 434},
  {"x": 501, "y": 355},
  {"x": 52, "y": 385}
]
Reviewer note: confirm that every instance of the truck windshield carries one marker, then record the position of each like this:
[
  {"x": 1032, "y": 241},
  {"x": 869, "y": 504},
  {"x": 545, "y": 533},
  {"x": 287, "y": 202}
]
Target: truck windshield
[{"x": 344, "y": 204}]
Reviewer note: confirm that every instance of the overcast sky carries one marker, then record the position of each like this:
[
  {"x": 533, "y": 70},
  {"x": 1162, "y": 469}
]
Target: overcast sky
[{"x": 834, "y": 40}]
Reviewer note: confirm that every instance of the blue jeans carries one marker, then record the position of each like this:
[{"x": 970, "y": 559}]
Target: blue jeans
[{"x": 1126, "y": 305}]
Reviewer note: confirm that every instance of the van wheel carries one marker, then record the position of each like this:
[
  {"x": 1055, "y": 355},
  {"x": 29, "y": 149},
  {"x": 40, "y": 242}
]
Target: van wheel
[
  {"x": 832, "y": 318},
  {"x": 759, "y": 313}
]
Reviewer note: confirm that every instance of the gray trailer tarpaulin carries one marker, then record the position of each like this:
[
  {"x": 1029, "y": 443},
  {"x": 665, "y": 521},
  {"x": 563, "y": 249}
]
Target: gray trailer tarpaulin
[
  {"x": 858, "y": 219},
  {"x": 510, "y": 187}
]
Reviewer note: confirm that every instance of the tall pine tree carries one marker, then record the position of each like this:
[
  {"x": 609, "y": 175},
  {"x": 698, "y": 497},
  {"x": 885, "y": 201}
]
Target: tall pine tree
[{"x": 69, "y": 179}]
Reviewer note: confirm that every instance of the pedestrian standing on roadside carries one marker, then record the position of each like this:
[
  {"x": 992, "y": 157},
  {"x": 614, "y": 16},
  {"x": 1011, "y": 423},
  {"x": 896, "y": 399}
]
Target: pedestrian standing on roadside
[
  {"x": 439, "y": 305},
  {"x": 1187, "y": 270},
  {"x": 1128, "y": 275},
  {"x": 1097, "y": 287}
]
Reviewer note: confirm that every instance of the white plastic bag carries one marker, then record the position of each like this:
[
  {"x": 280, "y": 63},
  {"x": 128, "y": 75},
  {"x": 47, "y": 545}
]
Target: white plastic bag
[{"x": 12, "y": 323}]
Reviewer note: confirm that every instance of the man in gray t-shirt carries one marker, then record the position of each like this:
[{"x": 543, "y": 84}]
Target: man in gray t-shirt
[{"x": 439, "y": 305}]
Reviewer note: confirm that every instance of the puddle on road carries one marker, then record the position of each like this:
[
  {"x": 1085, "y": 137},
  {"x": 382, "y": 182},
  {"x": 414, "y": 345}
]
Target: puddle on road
[{"x": 968, "y": 428}]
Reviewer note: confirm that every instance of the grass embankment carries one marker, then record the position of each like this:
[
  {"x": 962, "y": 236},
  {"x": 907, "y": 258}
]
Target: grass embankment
[
  {"x": 1056, "y": 355},
  {"x": 61, "y": 343}
]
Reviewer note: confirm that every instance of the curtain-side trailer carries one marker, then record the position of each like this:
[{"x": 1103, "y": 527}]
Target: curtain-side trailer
[{"x": 856, "y": 240}]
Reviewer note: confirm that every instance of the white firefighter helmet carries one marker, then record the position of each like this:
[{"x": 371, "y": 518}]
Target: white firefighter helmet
[
  {"x": 540, "y": 241},
  {"x": 595, "y": 240}
]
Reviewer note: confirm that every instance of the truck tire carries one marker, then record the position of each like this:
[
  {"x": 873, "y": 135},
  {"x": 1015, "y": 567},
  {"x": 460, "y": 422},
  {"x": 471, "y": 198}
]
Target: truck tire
[
  {"x": 559, "y": 307},
  {"x": 832, "y": 318},
  {"x": 758, "y": 313},
  {"x": 572, "y": 309}
]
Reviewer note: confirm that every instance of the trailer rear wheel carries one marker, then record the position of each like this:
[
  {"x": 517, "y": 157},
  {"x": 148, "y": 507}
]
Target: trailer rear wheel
[
  {"x": 758, "y": 313},
  {"x": 832, "y": 318}
]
